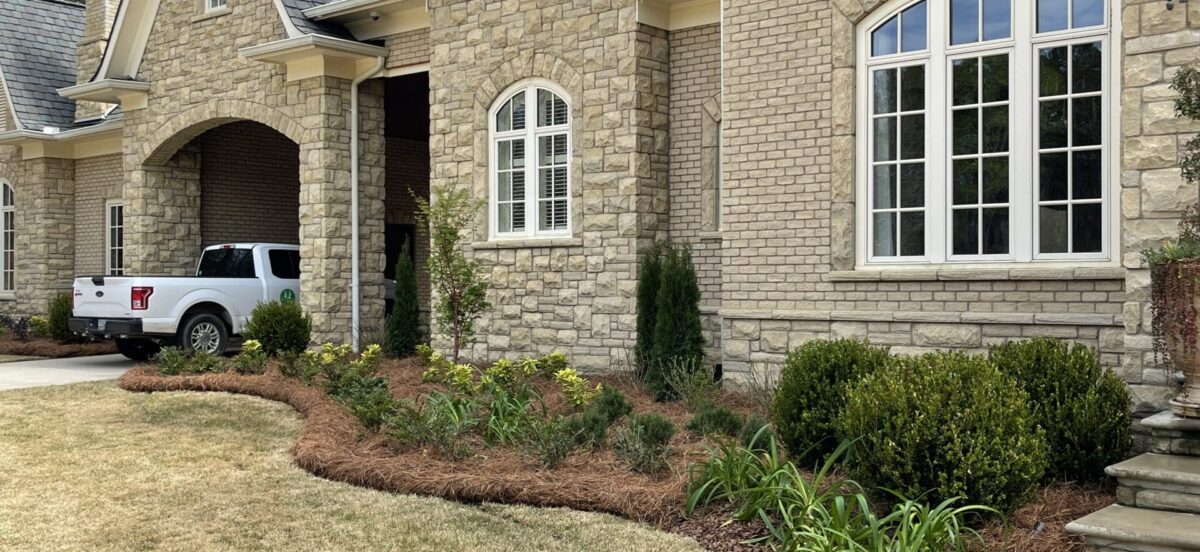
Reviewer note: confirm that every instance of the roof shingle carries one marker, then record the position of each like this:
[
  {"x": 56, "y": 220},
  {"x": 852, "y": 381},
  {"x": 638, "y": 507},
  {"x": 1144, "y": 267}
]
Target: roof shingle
[{"x": 37, "y": 57}]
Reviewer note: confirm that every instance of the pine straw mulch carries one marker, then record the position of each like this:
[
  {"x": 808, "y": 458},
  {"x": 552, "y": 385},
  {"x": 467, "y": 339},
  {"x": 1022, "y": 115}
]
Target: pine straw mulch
[
  {"x": 49, "y": 348},
  {"x": 334, "y": 445}
]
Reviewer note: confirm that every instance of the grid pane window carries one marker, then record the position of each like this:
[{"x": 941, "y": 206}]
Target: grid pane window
[
  {"x": 906, "y": 32},
  {"x": 980, "y": 156},
  {"x": 115, "y": 238},
  {"x": 8, "y": 235},
  {"x": 898, "y": 162},
  {"x": 213, "y": 5},
  {"x": 1070, "y": 159},
  {"x": 531, "y": 173}
]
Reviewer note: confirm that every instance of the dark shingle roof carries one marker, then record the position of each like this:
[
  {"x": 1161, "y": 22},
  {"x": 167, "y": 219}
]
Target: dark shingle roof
[
  {"x": 37, "y": 57},
  {"x": 296, "y": 7}
]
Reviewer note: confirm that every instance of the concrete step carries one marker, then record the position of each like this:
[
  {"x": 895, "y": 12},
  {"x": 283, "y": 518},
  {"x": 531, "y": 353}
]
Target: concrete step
[
  {"x": 1159, "y": 482},
  {"x": 1171, "y": 434},
  {"x": 1122, "y": 528}
]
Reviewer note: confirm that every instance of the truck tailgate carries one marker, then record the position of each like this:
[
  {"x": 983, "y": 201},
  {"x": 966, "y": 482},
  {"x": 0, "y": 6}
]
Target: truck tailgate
[{"x": 103, "y": 296}]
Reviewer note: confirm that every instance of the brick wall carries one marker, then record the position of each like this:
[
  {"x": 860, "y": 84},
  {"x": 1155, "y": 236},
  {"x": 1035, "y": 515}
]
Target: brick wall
[
  {"x": 249, "y": 185},
  {"x": 407, "y": 170},
  {"x": 695, "y": 66},
  {"x": 409, "y": 48},
  {"x": 97, "y": 180}
]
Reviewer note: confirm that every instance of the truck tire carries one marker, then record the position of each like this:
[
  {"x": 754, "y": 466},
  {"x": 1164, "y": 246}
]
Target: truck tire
[
  {"x": 137, "y": 349},
  {"x": 204, "y": 332}
]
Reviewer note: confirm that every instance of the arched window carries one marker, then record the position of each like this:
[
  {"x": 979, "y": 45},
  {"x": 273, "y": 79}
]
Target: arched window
[
  {"x": 530, "y": 163},
  {"x": 984, "y": 130},
  {"x": 8, "y": 239}
]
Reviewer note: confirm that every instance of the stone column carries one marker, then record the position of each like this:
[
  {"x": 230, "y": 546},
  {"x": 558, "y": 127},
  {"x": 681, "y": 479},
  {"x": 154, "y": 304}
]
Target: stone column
[
  {"x": 162, "y": 217},
  {"x": 45, "y": 248},
  {"x": 325, "y": 237}
]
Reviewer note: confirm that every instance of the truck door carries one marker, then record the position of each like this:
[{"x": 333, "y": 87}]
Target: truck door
[{"x": 283, "y": 276}]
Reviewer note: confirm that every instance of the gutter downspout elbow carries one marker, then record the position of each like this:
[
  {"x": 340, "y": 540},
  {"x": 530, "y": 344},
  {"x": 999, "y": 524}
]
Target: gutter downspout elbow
[{"x": 355, "y": 286}]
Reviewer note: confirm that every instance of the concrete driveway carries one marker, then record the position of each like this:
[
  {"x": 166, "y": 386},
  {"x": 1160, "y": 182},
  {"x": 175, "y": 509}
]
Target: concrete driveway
[{"x": 60, "y": 371}]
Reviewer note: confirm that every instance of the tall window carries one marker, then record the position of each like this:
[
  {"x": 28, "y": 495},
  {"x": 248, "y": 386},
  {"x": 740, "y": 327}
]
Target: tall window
[
  {"x": 114, "y": 223},
  {"x": 985, "y": 131},
  {"x": 8, "y": 227},
  {"x": 530, "y": 164}
]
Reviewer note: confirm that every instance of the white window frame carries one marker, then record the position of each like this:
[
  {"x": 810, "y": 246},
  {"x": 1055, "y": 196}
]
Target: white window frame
[
  {"x": 7, "y": 211},
  {"x": 1022, "y": 48},
  {"x": 211, "y": 6},
  {"x": 109, "y": 246},
  {"x": 530, "y": 134}
]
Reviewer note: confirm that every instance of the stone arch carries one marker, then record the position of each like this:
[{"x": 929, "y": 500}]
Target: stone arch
[{"x": 187, "y": 125}]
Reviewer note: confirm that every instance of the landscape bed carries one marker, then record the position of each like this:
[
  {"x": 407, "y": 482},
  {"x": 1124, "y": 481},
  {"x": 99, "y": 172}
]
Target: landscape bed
[
  {"x": 45, "y": 347},
  {"x": 335, "y": 445}
]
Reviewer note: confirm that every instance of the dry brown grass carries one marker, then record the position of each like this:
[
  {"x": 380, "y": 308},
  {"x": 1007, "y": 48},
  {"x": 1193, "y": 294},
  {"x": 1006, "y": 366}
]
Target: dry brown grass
[
  {"x": 1039, "y": 525},
  {"x": 92, "y": 467}
]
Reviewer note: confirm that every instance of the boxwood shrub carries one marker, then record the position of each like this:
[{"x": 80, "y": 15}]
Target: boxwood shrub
[
  {"x": 280, "y": 327},
  {"x": 812, "y": 388},
  {"x": 1083, "y": 408},
  {"x": 948, "y": 424}
]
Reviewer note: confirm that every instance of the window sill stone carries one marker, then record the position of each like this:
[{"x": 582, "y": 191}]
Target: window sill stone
[
  {"x": 211, "y": 14},
  {"x": 535, "y": 243},
  {"x": 978, "y": 274}
]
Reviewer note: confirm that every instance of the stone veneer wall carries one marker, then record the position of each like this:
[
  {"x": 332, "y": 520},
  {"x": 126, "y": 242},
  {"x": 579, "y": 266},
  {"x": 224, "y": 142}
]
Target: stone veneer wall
[
  {"x": 788, "y": 217},
  {"x": 576, "y": 294},
  {"x": 97, "y": 180},
  {"x": 249, "y": 185},
  {"x": 696, "y": 85},
  {"x": 1156, "y": 43},
  {"x": 198, "y": 82}
]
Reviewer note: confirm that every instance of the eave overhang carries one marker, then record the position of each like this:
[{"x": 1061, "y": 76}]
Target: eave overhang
[
  {"x": 314, "y": 55},
  {"x": 130, "y": 94},
  {"x": 99, "y": 139},
  {"x": 674, "y": 15},
  {"x": 370, "y": 19}
]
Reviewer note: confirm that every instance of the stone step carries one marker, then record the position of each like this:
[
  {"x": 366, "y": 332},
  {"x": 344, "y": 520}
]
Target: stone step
[
  {"x": 1171, "y": 434},
  {"x": 1159, "y": 482},
  {"x": 1122, "y": 528}
]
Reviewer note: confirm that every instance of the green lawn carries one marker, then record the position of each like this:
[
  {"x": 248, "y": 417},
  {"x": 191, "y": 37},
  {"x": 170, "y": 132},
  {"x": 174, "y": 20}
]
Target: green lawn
[{"x": 92, "y": 467}]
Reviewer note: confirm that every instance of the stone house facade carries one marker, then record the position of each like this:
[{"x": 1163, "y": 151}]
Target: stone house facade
[{"x": 922, "y": 174}]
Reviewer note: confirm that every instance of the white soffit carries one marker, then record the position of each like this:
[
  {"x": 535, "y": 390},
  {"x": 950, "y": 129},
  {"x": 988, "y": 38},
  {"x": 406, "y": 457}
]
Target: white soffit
[
  {"x": 673, "y": 15},
  {"x": 370, "y": 19}
]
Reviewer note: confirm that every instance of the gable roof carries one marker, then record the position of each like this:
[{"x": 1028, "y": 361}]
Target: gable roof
[
  {"x": 295, "y": 9},
  {"x": 37, "y": 57}
]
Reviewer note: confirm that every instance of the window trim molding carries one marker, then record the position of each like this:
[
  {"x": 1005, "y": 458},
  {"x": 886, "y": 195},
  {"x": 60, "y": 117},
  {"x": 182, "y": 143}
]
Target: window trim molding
[
  {"x": 530, "y": 135},
  {"x": 1023, "y": 104},
  {"x": 6, "y": 185},
  {"x": 109, "y": 269}
]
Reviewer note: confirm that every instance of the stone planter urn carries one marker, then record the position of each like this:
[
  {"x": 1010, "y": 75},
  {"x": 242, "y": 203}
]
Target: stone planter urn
[{"x": 1176, "y": 304}]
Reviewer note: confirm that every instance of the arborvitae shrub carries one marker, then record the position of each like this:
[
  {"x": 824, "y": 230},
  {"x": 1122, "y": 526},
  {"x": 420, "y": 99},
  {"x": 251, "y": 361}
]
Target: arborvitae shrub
[
  {"x": 280, "y": 327},
  {"x": 949, "y": 425},
  {"x": 678, "y": 339},
  {"x": 58, "y": 318},
  {"x": 404, "y": 325},
  {"x": 649, "y": 278},
  {"x": 1083, "y": 408},
  {"x": 812, "y": 389}
]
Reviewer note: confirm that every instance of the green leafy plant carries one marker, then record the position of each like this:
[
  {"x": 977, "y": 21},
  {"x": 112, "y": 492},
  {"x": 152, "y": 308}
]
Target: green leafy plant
[
  {"x": 460, "y": 287},
  {"x": 550, "y": 441},
  {"x": 404, "y": 324},
  {"x": 280, "y": 327},
  {"x": 289, "y": 364},
  {"x": 691, "y": 382},
  {"x": 509, "y": 417},
  {"x": 367, "y": 397},
  {"x": 812, "y": 389},
  {"x": 711, "y": 419},
  {"x": 172, "y": 361},
  {"x": 612, "y": 404},
  {"x": 575, "y": 389},
  {"x": 553, "y": 363},
  {"x": 1083, "y": 408},
  {"x": 512, "y": 376},
  {"x": 589, "y": 428},
  {"x": 755, "y": 432},
  {"x": 946, "y": 423},
  {"x": 443, "y": 422},
  {"x": 644, "y": 442},
  {"x": 202, "y": 362},
  {"x": 251, "y": 360},
  {"x": 39, "y": 326},
  {"x": 58, "y": 319}
]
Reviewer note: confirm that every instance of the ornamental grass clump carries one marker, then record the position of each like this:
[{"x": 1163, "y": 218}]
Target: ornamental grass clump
[
  {"x": 946, "y": 424},
  {"x": 1083, "y": 408},
  {"x": 807, "y": 403}
]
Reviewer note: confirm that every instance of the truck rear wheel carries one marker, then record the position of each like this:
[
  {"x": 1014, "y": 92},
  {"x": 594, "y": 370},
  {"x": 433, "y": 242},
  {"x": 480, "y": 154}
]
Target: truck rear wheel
[
  {"x": 137, "y": 349},
  {"x": 204, "y": 332}
]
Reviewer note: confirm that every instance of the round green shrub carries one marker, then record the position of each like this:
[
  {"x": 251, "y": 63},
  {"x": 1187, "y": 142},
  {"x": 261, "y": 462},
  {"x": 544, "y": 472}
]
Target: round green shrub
[
  {"x": 1083, "y": 408},
  {"x": 711, "y": 420},
  {"x": 58, "y": 318},
  {"x": 280, "y": 327},
  {"x": 656, "y": 430},
  {"x": 811, "y": 392},
  {"x": 948, "y": 424}
]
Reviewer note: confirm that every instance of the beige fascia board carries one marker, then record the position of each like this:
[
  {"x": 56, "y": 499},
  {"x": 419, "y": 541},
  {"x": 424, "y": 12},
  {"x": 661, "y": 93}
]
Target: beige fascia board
[
  {"x": 313, "y": 55},
  {"x": 370, "y": 19},
  {"x": 131, "y": 95},
  {"x": 101, "y": 139}
]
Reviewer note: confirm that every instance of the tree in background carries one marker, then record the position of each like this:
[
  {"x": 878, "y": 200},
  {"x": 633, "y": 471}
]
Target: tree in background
[
  {"x": 460, "y": 288},
  {"x": 404, "y": 325}
]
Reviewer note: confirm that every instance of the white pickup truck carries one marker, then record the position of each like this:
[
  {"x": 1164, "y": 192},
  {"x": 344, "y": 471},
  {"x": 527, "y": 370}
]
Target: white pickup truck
[{"x": 144, "y": 313}]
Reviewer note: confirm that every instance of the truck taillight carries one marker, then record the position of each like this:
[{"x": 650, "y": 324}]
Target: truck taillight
[{"x": 139, "y": 297}]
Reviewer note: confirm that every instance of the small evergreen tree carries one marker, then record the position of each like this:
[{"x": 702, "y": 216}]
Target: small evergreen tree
[
  {"x": 459, "y": 283},
  {"x": 649, "y": 278},
  {"x": 404, "y": 325},
  {"x": 678, "y": 341}
]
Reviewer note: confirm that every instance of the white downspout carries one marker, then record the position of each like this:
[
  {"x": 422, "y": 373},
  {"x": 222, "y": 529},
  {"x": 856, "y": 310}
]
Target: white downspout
[{"x": 355, "y": 287}]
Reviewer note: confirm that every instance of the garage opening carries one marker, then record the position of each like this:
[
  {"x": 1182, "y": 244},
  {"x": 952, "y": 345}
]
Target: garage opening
[
  {"x": 249, "y": 185},
  {"x": 407, "y": 172}
]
